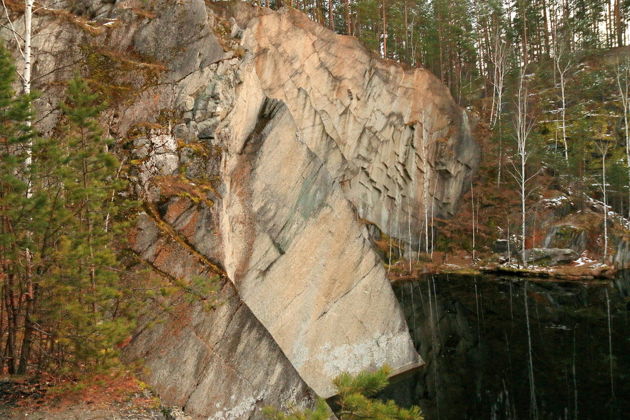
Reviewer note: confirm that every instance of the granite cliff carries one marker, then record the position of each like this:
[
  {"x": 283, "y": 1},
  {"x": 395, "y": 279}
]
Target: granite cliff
[{"x": 262, "y": 146}]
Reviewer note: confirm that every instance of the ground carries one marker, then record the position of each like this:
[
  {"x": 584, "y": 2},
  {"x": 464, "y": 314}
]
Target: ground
[{"x": 111, "y": 397}]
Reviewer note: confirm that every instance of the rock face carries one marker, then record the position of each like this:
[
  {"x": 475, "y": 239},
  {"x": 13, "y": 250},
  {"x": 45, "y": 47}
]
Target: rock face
[
  {"x": 566, "y": 236},
  {"x": 262, "y": 144},
  {"x": 214, "y": 359},
  {"x": 622, "y": 254},
  {"x": 550, "y": 256},
  {"x": 377, "y": 143}
]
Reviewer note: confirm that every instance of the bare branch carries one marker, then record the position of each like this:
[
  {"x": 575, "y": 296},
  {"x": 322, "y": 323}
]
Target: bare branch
[{"x": 13, "y": 31}]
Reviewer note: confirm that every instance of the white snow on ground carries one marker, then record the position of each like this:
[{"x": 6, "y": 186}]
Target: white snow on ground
[
  {"x": 583, "y": 260},
  {"x": 611, "y": 214},
  {"x": 555, "y": 202}
]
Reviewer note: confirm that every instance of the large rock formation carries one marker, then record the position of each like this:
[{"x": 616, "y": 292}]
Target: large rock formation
[
  {"x": 214, "y": 359},
  {"x": 262, "y": 145},
  {"x": 322, "y": 134}
]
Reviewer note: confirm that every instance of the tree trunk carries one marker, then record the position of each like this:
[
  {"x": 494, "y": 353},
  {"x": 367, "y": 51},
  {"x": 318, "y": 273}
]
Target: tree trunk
[
  {"x": 331, "y": 18},
  {"x": 564, "y": 120},
  {"x": 10, "y": 350},
  {"x": 348, "y": 18},
  {"x": 383, "y": 39},
  {"x": 619, "y": 29},
  {"x": 27, "y": 339},
  {"x": 546, "y": 29},
  {"x": 605, "y": 206}
]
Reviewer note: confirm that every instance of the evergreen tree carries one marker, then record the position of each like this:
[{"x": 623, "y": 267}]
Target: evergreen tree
[
  {"x": 356, "y": 400},
  {"x": 17, "y": 209},
  {"x": 86, "y": 284},
  {"x": 64, "y": 304}
]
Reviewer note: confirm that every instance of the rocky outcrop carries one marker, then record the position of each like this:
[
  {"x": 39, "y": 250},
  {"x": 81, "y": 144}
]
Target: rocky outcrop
[
  {"x": 262, "y": 144},
  {"x": 550, "y": 256},
  {"x": 622, "y": 254},
  {"x": 567, "y": 237}
]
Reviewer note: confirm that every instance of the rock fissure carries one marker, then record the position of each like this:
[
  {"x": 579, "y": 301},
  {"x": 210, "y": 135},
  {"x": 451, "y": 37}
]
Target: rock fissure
[{"x": 172, "y": 233}]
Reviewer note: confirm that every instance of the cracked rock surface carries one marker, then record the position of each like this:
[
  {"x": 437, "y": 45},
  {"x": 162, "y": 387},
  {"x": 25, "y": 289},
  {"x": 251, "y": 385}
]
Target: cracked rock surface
[{"x": 262, "y": 146}]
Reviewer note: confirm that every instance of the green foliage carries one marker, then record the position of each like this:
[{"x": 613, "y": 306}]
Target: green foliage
[
  {"x": 84, "y": 284},
  {"x": 355, "y": 401},
  {"x": 321, "y": 412},
  {"x": 65, "y": 303}
]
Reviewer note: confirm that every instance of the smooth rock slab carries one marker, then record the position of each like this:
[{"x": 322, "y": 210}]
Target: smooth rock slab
[{"x": 216, "y": 363}]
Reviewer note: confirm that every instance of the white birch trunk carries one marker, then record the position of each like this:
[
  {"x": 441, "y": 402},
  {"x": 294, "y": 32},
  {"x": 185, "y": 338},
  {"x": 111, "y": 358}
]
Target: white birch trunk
[
  {"x": 562, "y": 71},
  {"x": 558, "y": 53},
  {"x": 26, "y": 80},
  {"x": 605, "y": 207},
  {"x": 28, "y": 31},
  {"x": 564, "y": 119},
  {"x": 523, "y": 128},
  {"x": 472, "y": 201},
  {"x": 623, "y": 93}
]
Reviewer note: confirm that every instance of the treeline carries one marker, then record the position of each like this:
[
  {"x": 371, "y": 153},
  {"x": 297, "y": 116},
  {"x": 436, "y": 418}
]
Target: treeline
[
  {"x": 459, "y": 40},
  {"x": 64, "y": 303}
]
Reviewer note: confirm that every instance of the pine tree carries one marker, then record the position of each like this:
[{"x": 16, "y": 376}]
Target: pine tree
[
  {"x": 86, "y": 285},
  {"x": 63, "y": 304},
  {"x": 16, "y": 210},
  {"x": 356, "y": 400}
]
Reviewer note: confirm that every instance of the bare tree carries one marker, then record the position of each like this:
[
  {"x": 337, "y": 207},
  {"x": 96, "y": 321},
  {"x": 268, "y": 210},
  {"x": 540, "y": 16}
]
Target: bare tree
[
  {"x": 499, "y": 60},
  {"x": 384, "y": 35},
  {"x": 603, "y": 147},
  {"x": 562, "y": 64},
  {"x": 23, "y": 43},
  {"x": 523, "y": 126},
  {"x": 623, "y": 83},
  {"x": 472, "y": 202}
]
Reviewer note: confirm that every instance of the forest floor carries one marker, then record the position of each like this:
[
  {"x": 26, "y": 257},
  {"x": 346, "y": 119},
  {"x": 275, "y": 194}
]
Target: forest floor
[{"x": 106, "y": 397}]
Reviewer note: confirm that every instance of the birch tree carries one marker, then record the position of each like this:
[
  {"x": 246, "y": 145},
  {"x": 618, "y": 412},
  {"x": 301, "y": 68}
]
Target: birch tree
[
  {"x": 23, "y": 42},
  {"x": 523, "y": 126},
  {"x": 25, "y": 77},
  {"x": 603, "y": 146},
  {"x": 623, "y": 83},
  {"x": 384, "y": 33},
  {"x": 562, "y": 64},
  {"x": 499, "y": 59}
]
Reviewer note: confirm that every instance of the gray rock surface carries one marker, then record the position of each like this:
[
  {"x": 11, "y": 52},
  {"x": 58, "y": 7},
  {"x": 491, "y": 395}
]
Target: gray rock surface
[
  {"x": 566, "y": 236},
  {"x": 550, "y": 256},
  {"x": 622, "y": 255},
  {"x": 209, "y": 355}
]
